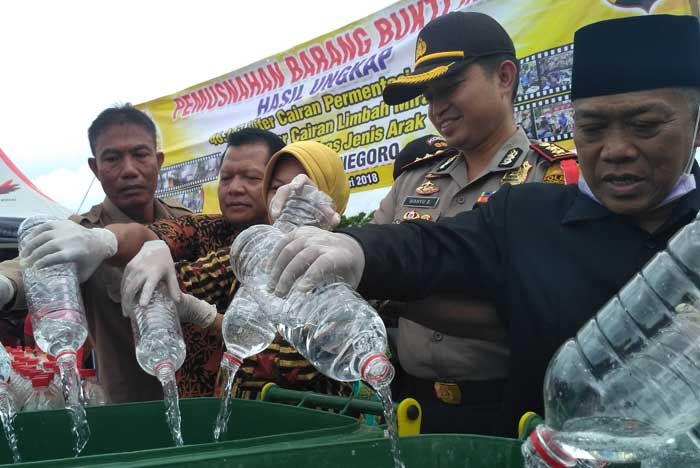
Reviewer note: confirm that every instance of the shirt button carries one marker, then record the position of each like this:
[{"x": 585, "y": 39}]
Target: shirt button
[
  {"x": 651, "y": 245},
  {"x": 437, "y": 336},
  {"x": 460, "y": 200}
]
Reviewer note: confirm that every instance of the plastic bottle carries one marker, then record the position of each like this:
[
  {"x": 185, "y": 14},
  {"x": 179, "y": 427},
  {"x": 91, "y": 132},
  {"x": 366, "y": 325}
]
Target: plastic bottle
[
  {"x": 41, "y": 398},
  {"x": 340, "y": 334},
  {"x": 629, "y": 381},
  {"x": 246, "y": 329},
  {"x": 8, "y": 408},
  {"x": 6, "y": 371},
  {"x": 249, "y": 324},
  {"x": 92, "y": 390},
  {"x": 54, "y": 300},
  {"x": 160, "y": 348},
  {"x": 332, "y": 327}
]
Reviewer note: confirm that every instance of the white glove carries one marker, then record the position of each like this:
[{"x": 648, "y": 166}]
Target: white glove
[
  {"x": 331, "y": 217},
  {"x": 7, "y": 291},
  {"x": 317, "y": 257},
  {"x": 149, "y": 267},
  {"x": 193, "y": 310},
  {"x": 64, "y": 241}
]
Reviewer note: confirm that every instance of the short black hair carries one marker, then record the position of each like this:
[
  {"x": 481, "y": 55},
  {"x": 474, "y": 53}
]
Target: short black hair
[
  {"x": 250, "y": 135},
  {"x": 120, "y": 115},
  {"x": 490, "y": 64}
]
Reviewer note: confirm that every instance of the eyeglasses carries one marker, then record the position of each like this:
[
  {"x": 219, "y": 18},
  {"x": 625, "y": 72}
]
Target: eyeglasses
[{"x": 441, "y": 90}]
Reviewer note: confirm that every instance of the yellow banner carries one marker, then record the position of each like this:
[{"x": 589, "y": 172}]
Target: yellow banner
[{"x": 329, "y": 90}]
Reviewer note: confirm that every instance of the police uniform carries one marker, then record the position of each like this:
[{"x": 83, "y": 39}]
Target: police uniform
[{"x": 444, "y": 368}]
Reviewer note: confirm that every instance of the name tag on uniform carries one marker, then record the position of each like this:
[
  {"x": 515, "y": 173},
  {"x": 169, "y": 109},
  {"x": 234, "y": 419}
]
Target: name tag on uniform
[{"x": 421, "y": 202}]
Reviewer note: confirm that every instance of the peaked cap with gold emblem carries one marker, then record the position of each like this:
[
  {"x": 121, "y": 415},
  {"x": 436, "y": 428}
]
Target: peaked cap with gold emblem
[{"x": 444, "y": 45}]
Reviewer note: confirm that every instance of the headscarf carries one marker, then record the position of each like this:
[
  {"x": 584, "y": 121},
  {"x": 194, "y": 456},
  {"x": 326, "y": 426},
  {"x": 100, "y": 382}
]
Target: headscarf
[{"x": 322, "y": 165}]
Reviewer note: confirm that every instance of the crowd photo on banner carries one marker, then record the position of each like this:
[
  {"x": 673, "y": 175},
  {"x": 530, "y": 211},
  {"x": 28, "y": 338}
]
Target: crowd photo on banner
[{"x": 463, "y": 206}]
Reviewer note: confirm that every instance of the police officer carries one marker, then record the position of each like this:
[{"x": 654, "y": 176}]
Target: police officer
[
  {"x": 465, "y": 66},
  {"x": 549, "y": 256}
]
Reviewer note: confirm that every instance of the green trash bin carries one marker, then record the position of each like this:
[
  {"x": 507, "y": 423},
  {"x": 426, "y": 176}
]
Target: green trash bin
[
  {"x": 141, "y": 427},
  {"x": 439, "y": 451}
]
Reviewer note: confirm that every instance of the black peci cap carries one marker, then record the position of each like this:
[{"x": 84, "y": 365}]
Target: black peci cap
[
  {"x": 418, "y": 148},
  {"x": 635, "y": 54},
  {"x": 446, "y": 43}
]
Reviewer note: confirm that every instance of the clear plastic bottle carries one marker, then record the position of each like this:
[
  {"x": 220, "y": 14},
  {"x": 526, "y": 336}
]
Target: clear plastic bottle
[
  {"x": 8, "y": 408},
  {"x": 250, "y": 326},
  {"x": 54, "y": 300},
  {"x": 628, "y": 382},
  {"x": 339, "y": 333},
  {"x": 25, "y": 389},
  {"x": 332, "y": 327},
  {"x": 246, "y": 330},
  {"x": 59, "y": 324},
  {"x": 93, "y": 391},
  {"x": 157, "y": 334},
  {"x": 41, "y": 398},
  {"x": 160, "y": 350}
]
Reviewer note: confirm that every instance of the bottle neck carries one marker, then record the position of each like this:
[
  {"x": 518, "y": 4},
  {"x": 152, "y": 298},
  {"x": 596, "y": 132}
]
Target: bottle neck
[
  {"x": 230, "y": 361},
  {"x": 376, "y": 370},
  {"x": 164, "y": 371},
  {"x": 548, "y": 450}
]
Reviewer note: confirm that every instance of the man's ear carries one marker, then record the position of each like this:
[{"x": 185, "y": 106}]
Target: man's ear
[
  {"x": 92, "y": 162},
  {"x": 507, "y": 75},
  {"x": 160, "y": 157}
]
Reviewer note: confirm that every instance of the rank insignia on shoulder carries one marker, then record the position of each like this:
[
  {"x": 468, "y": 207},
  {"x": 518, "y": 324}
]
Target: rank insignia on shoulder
[
  {"x": 426, "y": 217},
  {"x": 510, "y": 157},
  {"x": 427, "y": 188},
  {"x": 483, "y": 198},
  {"x": 411, "y": 214},
  {"x": 430, "y": 157},
  {"x": 444, "y": 166},
  {"x": 517, "y": 176},
  {"x": 552, "y": 152}
]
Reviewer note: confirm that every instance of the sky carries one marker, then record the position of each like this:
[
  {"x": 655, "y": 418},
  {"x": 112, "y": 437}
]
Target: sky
[{"x": 62, "y": 62}]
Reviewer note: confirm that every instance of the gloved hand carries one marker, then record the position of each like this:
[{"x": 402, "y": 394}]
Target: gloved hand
[
  {"x": 317, "y": 257},
  {"x": 149, "y": 267},
  {"x": 64, "y": 241},
  {"x": 7, "y": 291},
  {"x": 332, "y": 218},
  {"x": 193, "y": 310}
]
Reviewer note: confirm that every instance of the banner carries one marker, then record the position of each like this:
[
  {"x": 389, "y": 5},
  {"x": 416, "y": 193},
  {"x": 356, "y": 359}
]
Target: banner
[{"x": 329, "y": 90}]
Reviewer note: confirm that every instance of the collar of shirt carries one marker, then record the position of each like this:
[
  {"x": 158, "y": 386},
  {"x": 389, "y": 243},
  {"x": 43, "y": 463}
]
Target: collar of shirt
[
  {"x": 586, "y": 206},
  {"x": 115, "y": 215},
  {"x": 518, "y": 140}
]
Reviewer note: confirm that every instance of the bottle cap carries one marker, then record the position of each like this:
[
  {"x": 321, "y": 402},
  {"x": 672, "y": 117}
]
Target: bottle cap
[{"x": 41, "y": 380}]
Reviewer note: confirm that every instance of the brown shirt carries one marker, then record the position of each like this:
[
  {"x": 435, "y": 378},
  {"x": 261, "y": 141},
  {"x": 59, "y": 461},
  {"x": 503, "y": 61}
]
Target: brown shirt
[
  {"x": 442, "y": 188},
  {"x": 110, "y": 333}
]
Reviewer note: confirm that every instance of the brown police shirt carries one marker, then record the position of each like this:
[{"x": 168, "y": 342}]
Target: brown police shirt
[
  {"x": 109, "y": 332},
  {"x": 432, "y": 189}
]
